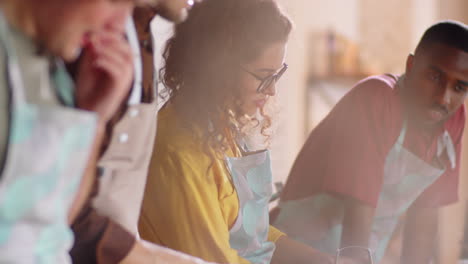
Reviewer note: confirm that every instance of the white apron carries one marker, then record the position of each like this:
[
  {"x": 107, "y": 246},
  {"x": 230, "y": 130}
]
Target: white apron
[
  {"x": 252, "y": 179},
  {"x": 317, "y": 220}
]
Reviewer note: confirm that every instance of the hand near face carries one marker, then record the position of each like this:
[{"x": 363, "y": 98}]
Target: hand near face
[{"x": 105, "y": 74}]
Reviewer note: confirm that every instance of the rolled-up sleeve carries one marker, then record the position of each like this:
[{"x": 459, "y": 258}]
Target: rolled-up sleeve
[
  {"x": 98, "y": 239},
  {"x": 274, "y": 234}
]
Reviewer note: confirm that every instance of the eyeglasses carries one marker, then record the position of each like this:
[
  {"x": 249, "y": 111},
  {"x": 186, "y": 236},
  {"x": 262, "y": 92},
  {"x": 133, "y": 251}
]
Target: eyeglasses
[
  {"x": 362, "y": 254},
  {"x": 265, "y": 82}
]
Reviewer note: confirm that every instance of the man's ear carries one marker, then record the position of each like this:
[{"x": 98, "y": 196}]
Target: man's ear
[{"x": 409, "y": 63}]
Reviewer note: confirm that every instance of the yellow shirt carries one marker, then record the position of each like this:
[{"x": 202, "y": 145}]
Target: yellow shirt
[{"x": 188, "y": 205}]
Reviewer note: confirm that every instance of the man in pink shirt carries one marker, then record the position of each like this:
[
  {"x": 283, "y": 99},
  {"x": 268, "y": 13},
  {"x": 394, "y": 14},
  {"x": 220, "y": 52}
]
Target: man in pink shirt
[{"x": 390, "y": 147}]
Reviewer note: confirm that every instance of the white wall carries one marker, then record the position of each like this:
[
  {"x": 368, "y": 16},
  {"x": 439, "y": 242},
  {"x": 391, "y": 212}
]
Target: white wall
[
  {"x": 425, "y": 13},
  {"x": 309, "y": 16},
  {"x": 453, "y": 9}
]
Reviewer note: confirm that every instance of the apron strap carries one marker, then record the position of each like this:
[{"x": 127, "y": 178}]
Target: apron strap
[
  {"x": 401, "y": 137},
  {"x": 63, "y": 85},
  {"x": 14, "y": 79},
  {"x": 136, "y": 93},
  {"x": 445, "y": 142},
  {"x": 242, "y": 145},
  {"x": 62, "y": 82}
]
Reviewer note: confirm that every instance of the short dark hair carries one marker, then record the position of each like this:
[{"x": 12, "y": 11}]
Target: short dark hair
[{"x": 448, "y": 32}]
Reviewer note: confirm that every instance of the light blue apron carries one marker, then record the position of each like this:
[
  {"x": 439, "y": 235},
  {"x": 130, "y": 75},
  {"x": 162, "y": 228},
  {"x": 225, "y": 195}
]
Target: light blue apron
[
  {"x": 317, "y": 220},
  {"x": 48, "y": 148},
  {"x": 252, "y": 179}
]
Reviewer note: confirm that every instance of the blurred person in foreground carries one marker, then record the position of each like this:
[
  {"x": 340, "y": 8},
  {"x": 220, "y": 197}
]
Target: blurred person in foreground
[{"x": 52, "y": 129}]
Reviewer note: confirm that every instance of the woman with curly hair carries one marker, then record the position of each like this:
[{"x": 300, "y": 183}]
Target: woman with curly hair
[{"x": 207, "y": 194}]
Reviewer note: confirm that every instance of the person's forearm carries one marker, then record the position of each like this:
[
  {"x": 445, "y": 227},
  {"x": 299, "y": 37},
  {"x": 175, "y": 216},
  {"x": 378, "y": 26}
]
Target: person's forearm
[
  {"x": 146, "y": 253},
  {"x": 99, "y": 239},
  {"x": 357, "y": 222},
  {"x": 420, "y": 236},
  {"x": 290, "y": 251},
  {"x": 87, "y": 180}
]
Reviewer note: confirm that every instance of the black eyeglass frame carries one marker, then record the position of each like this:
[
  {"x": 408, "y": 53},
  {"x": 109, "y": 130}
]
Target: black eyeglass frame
[{"x": 267, "y": 81}]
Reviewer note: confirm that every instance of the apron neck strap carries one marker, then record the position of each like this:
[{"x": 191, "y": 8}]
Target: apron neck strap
[
  {"x": 14, "y": 79},
  {"x": 137, "y": 89},
  {"x": 402, "y": 136},
  {"x": 62, "y": 82},
  {"x": 63, "y": 85},
  {"x": 445, "y": 143}
]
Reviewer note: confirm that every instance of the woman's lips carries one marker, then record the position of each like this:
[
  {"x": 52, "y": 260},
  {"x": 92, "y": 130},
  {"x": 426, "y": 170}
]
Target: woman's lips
[
  {"x": 435, "y": 115},
  {"x": 260, "y": 103}
]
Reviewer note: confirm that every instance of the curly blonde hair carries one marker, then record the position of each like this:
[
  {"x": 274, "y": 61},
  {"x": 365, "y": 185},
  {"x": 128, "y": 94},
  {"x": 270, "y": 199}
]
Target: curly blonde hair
[{"x": 202, "y": 59}]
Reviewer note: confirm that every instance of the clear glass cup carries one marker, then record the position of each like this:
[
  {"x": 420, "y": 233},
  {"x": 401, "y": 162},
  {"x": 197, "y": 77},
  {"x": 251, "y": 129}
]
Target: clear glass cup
[{"x": 354, "y": 255}]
